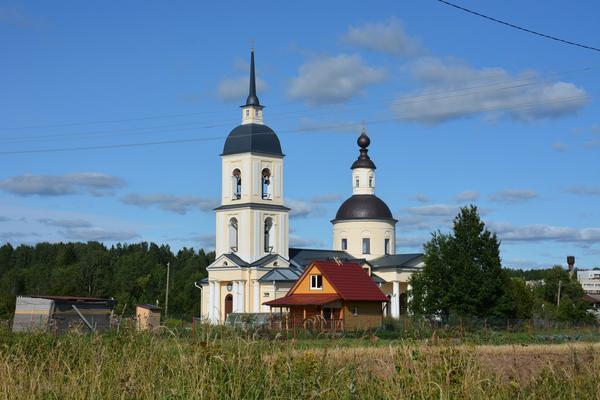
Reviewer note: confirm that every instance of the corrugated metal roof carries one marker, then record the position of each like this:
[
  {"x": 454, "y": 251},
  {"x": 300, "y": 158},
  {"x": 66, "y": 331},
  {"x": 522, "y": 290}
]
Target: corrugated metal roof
[
  {"x": 397, "y": 260},
  {"x": 70, "y": 298},
  {"x": 281, "y": 274},
  {"x": 351, "y": 281},
  {"x": 151, "y": 307},
  {"x": 304, "y": 257}
]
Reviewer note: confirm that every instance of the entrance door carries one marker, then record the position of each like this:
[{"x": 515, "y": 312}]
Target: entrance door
[{"x": 228, "y": 305}]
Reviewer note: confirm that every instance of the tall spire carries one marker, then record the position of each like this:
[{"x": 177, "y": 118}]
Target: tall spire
[{"x": 252, "y": 99}]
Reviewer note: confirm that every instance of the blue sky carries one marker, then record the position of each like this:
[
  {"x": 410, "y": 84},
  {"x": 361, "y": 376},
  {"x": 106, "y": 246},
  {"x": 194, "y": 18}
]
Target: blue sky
[{"x": 460, "y": 110}]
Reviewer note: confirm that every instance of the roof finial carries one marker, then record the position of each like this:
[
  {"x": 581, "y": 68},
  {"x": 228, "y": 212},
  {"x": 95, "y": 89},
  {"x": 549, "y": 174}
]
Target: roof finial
[
  {"x": 252, "y": 99},
  {"x": 363, "y": 161}
]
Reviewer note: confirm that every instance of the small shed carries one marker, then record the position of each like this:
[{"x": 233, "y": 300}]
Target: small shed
[
  {"x": 147, "y": 317},
  {"x": 61, "y": 313}
]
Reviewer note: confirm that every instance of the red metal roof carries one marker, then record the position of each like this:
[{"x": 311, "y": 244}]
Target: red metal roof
[
  {"x": 351, "y": 281},
  {"x": 304, "y": 300}
]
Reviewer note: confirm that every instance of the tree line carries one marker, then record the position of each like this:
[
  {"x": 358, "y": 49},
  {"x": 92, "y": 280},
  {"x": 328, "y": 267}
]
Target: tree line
[
  {"x": 129, "y": 273},
  {"x": 462, "y": 276}
]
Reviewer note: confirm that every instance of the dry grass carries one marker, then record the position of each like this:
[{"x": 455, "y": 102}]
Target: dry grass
[{"x": 131, "y": 366}]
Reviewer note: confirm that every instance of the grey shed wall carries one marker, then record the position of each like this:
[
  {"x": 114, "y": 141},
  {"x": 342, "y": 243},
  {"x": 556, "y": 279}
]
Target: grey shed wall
[{"x": 31, "y": 314}]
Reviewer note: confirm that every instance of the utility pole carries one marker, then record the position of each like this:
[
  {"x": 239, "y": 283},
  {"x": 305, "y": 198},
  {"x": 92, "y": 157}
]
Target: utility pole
[
  {"x": 558, "y": 298},
  {"x": 167, "y": 291}
]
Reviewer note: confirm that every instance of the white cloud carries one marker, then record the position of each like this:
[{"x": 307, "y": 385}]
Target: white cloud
[
  {"x": 451, "y": 89},
  {"x": 65, "y": 223},
  {"x": 297, "y": 241},
  {"x": 585, "y": 190},
  {"x": 206, "y": 242},
  {"x": 310, "y": 125},
  {"x": 333, "y": 79},
  {"x": 327, "y": 198},
  {"x": 386, "y": 37},
  {"x": 435, "y": 210},
  {"x": 236, "y": 89},
  {"x": 592, "y": 144},
  {"x": 167, "y": 202},
  {"x": 559, "y": 146},
  {"x": 312, "y": 207},
  {"x": 304, "y": 209},
  {"x": 94, "y": 183},
  {"x": 468, "y": 195},
  {"x": 411, "y": 242},
  {"x": 421, "y": 198},
  {"x": 541, "y": 232},
  {"x": 98, "y": 234},
  {"x": 513, "y": 195}
]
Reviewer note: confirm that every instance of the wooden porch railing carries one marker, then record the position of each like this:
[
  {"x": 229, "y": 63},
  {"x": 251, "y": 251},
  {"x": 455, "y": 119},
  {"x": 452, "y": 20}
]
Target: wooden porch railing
[{"x": 315, "y": 323}]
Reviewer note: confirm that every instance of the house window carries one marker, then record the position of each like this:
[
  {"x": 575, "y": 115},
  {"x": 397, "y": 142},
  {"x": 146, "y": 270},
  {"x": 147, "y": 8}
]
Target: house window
[
  {"x": 386, "y": 246},
  {"x": 247, "y": 113},
  {"x": 344, "y": 244},
  {"x": 266, "y": 184},
  {"x": 356, "y": 182},
  {"x": 316, "y": 282},
  {"x": 355, "y": 311},
  {"x": 269, "y": 236},
  {"x": 366, "y": 246},
  {"x": 266, "y": 294},
  {"x": 236, "y": 183},
  {"x": 233, "y": 234},
  {"x": 370, "y": 181}
]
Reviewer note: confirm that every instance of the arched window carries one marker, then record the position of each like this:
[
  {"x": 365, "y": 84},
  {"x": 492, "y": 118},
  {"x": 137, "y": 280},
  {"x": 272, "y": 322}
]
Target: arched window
[
  {"x": 266, "y": 184},
  {"x": 233, "y": 234},
  {"x": 356, "y": 182},
  {"x": 236, "y": 184},
  {"x": 370, "y": 181},
  {"x": 269, "y": 234}
]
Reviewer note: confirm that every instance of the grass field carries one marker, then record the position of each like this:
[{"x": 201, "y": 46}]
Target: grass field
[{"x": 222, "y": 365}]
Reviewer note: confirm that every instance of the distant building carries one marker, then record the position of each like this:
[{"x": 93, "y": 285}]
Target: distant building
[
  {"x": 61, "y": 313},
  {"x": 590, "y": 280}
]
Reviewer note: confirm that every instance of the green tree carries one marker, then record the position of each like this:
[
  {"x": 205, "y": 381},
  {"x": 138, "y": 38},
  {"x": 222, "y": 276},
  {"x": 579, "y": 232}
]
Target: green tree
[{"x": 463, "y": 274}]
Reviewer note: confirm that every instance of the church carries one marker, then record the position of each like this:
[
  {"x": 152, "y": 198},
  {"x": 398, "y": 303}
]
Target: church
[{"x": 253, "y": 261}]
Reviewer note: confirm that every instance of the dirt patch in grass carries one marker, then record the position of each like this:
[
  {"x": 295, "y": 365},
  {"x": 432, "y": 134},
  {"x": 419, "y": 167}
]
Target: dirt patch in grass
[{"x": 509, "y": 363}]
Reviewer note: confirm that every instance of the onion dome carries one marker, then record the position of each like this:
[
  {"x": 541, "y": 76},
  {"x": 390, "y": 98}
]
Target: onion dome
[
  {"x": 252, "y": 138},
  {"x": 364, "y": 206}
]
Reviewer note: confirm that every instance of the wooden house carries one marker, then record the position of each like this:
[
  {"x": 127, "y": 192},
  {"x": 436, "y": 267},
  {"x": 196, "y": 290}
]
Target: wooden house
[
  {"x": 331, "y": 295},
  {"x": 147, "y": 317}
]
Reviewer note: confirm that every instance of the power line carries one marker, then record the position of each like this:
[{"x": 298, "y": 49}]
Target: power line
[
  {"x": 494, "y": 86},
  {"x": 291, "y": 112},
  {"x": 306, "y": 129},
  {"x": 519, "y": 27}
]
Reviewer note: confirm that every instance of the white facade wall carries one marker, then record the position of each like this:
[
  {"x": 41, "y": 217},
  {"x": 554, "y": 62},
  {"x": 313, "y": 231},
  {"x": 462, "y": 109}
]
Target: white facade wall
[{"x": 355, "y": 230}]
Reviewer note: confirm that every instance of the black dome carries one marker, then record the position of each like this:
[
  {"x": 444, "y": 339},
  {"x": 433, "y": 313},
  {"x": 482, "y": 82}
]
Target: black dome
[
  {"x": 255, "y": 138},
  {"x": 364, "y": 206}
]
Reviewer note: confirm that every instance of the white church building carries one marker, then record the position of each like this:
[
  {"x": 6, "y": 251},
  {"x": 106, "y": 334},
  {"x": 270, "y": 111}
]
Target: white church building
[{"x": 254, "y": 263}]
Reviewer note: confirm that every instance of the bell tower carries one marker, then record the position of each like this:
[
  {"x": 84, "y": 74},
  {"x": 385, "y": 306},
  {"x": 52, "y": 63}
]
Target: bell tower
[{"x": 252, "y": 221}]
